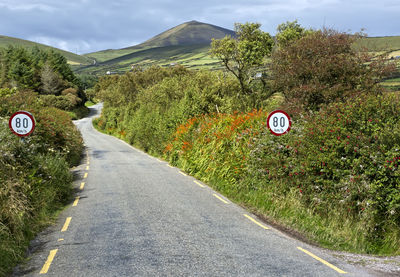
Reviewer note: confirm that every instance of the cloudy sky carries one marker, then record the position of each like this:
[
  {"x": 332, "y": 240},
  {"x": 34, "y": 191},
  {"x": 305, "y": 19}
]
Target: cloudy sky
[{"x": 83, "y": 26}]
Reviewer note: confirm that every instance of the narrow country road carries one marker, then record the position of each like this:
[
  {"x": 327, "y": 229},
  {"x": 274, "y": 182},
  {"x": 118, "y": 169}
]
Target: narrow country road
[{"x": 134, "y": 215}]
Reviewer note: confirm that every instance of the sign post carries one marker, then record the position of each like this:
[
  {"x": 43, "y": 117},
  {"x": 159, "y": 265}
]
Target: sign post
[
  {"x": 22, "y": 123},
  {"x": 279, "y": 123}
]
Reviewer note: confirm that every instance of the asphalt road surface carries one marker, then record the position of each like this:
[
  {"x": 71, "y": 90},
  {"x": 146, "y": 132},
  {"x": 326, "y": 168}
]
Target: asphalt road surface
[{"x": 134, "y": 215}]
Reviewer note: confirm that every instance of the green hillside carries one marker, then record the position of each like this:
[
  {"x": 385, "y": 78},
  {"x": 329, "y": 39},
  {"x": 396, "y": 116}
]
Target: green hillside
[
  {"x": 186, "y": 44},
  {"x": 191, "y": 56},
  {"x": 72, "y": 58}
]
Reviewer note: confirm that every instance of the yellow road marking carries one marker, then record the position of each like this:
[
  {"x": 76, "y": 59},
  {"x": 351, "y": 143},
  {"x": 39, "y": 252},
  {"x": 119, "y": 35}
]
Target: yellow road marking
[
  {"x": 66, "y": 224},
  {"x": 223, "y": 200},
  {"x": 184, "y": 174},
  {"x": 256, "y": 222},
  {"x": 85, "y": 176},
  {"x": 170, "y": 166},
  {"x": 76, "y": 201},
  {"x": 82, "y": 186},
  {"x": 322, "y": 261},
  {"x": 201, "y": 185},
  {"x": 48, "y": 262},
  {"x": 88, "y": 162},
  {"x": 87, "y": 168},
  {"x": 60, "y": 240}
]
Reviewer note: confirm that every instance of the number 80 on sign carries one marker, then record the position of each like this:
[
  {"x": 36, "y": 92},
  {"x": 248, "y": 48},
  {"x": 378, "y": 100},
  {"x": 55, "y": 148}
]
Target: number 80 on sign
[
  {"x": 22, "y": 123},
  {"x": 279, "y": 122}
]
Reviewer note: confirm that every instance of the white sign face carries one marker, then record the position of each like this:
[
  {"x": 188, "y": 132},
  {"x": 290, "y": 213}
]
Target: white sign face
[
  {"x": 279, "y": 123},
  {"x": 22, "y": 123}
]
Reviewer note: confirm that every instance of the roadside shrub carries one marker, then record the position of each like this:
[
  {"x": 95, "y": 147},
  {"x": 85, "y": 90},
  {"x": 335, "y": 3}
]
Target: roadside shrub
[
  {"x": 324, "y": 67},
  {"x": 341, "y": 161},
  {"x": 66, "y": 103},
  {"x": 72, "y": 91},
  {"x": 21, "y": 100},
  {"x": 57, "y": 133},
  {"x": 34, "y": 183}
]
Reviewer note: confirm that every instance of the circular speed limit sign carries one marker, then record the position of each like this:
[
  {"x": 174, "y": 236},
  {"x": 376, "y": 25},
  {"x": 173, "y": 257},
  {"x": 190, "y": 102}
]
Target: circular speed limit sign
[
  {"x": 279, "y": 122},
  {"x": 22, "y": 123}
]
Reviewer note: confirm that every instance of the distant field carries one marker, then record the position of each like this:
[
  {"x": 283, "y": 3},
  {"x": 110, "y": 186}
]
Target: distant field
[
  {"x": 376, "y": 44},
  {"x": 71, "y": 57}
]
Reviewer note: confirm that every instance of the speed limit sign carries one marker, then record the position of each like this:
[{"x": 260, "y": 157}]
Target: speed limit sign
[
  {"x": 279, "y": 122},
  {"x": 22, "y": 123}
]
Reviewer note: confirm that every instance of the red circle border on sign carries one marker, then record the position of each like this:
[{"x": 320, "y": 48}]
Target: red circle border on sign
[
  {"x": 285, "y": 113},
  {"x": 27, "y": 114}
]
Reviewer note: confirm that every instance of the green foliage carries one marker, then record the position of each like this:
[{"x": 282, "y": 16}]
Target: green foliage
[
  {"x": 323, "y": 67},
  {"x": 289, "y": 32},
  {"x": 44, "y": 72},
  {"x": 38, "y": 70},
  {"x": 35, "y": 179},
  {"x": 239, "y": 55},
  {"x": 342, "y": 161},
  {"x": 144, "y": 107}
]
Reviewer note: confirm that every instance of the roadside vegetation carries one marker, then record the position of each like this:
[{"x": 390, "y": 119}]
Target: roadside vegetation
[
  {"x": 334, "y": 179},
  {"x": 35, "y": 178},
  {"x": 46, "y": 73}
]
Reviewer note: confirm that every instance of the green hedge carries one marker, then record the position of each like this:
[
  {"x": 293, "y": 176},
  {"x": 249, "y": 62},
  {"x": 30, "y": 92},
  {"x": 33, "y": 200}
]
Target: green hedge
[
  {"x": 35, "y": 180},
  {"x": 334, "y": 177}
]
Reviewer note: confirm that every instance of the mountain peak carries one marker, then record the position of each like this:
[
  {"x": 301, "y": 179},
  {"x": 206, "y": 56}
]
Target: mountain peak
[{"x": 188, "y": 33}]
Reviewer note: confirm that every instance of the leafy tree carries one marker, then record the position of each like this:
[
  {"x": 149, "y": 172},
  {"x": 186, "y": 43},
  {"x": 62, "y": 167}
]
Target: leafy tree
[
  {"x": 240, "y": 54},
  {"x": 323, "y": 67},
  {"x": 289, "y": 32}
]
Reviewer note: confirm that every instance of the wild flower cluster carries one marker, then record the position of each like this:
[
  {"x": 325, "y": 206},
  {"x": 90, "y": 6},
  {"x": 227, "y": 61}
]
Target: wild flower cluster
[{"x": 217, "y": 144}]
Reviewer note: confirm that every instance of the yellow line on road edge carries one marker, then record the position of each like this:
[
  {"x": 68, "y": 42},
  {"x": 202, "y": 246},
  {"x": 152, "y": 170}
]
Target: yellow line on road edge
[
  {"x": 170, "y": 166},
  {"x": 256, "y": 222},
  {"x": 48, "y": 262},
  {"x": 82, "y": 186},
  {"x": 85, "y": 176},
  {"x": 76, "y": 201},
  {"x": 223, "y": 200},
  {"x": 184, "y": 174},
  {"x": 87, "y": 167},
  {"x": 201, "y": 185},
  {"x": 66, "y": 224},
  {"x": 322, "y": 261}
]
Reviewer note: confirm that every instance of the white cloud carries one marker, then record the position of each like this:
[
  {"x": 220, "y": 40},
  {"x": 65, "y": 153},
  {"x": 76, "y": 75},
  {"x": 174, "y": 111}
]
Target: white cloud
[{"x": 90, "y": 25}]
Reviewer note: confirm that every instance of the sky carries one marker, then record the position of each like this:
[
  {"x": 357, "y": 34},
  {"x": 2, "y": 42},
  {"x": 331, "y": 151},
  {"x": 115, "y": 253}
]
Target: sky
[{"x": 83, "y": 26}]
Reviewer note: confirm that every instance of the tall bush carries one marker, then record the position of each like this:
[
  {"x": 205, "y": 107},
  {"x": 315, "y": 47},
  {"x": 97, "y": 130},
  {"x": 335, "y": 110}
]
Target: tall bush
[
  {"x": 324, "y": 67},
  {"x": 343, "y": 160}
]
